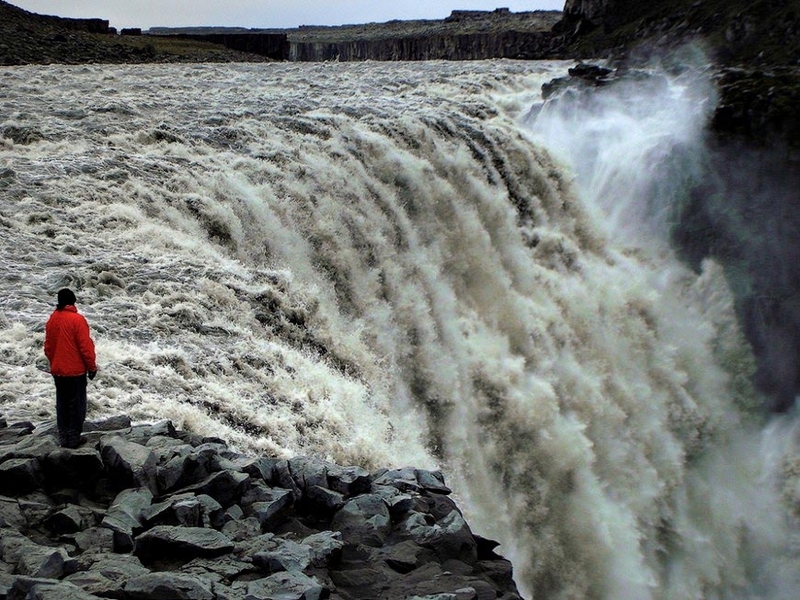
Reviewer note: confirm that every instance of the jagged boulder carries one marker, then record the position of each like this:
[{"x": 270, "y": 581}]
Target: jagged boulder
[
  {"x": 12, "y": 434},
  {"x": 181, "y": 542},
  {"x": 34, "y": 446},
  {"x": 364, "y": 520},
  {"x": 31, "y": 588},
  {"x": 242, "y": 529},
  {"x": 188, "y": 510},
  {"x": 222, "y": 486},
  {"x": 132, "y": 464},
  {"x": 79, "y": 468},
  {"x": 325, "y": 548},
  {"x": 106, "y": 574},
  {"x": 413, "y": 480},
  {"x": 34, "y": 560},
  {"x": 43, "y": 561},
  {"x": 97, "y": 539},
  {"x": 192, "y": 465},
  {"x": 259, "y": 467},
  {"x": 115, "y": 423},
  {"x": 20, "y": 476},
  {"x": 141, "y": 434},
  {"x": 168, "y": 586},
  {"x": 283, "y": 555},
  {"x": 126, "y": 515},
  {"x": 272, "y": 509},
  {"x": 348, "y": 481},
  {"x": 286, "y": 586},
  {"x": 406, "y": 556},
  {"x": 70, "y": 519},
  {"x": 448, "y": 538},
  {"x": 11, "y": 514}
]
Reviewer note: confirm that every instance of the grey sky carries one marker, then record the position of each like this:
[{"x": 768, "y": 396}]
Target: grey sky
[{"x": 266, "y": 13}]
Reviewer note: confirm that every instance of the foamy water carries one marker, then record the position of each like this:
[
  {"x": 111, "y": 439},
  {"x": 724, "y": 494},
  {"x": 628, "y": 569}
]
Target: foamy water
[{"x": 379, "y": 264}]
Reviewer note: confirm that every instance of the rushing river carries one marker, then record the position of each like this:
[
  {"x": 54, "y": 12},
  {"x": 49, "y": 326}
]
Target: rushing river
[{"x": 392, "y": 264}]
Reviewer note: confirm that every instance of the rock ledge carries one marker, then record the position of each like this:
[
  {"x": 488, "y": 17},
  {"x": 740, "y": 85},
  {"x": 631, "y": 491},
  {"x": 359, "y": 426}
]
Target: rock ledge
[{"x": 147, "y": 512}]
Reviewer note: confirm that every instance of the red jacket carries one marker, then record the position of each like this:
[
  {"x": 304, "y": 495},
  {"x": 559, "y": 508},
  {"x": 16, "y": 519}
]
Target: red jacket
[{"x": 67, "y": 344}]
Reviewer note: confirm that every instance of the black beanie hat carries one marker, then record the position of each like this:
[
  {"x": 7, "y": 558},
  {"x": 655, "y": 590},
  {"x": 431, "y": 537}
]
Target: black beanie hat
[{"x": 65, "y": 298}]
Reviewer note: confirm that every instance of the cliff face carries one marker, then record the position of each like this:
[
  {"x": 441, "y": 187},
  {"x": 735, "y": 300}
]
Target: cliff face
[
  {"x": 605, "y": 12},
  {"x": 763, "y": 32},
  {"x": 476, "y": 46},
  {"x": 29, "y": 38},
  {"x": 271, "y": 45},
  {"x": 87, "y": 25},
  {"x": 755, "y": 44},
  {"x": 590, "y": 10}
]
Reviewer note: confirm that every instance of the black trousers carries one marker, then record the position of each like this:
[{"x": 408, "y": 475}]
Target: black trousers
[{"x": 70, "y": 409}]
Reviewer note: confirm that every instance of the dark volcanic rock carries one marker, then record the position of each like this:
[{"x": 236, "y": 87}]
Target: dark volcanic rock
[
  {"x": 126, "y": 515},
  {"x": 736, "y": 32},
  {"x": 20, "y": 476},
  {"x": 168, "y": 586},
  {"x": 106, "y": 574},
  {"x": 66, "y": 468},
  {"x": 291, "y": 586},
  {"x": 30, "y": 588},
  {"x": 70, "y": 519},
  {"x": 222, "y": 486},
  {"x": 272, "y": 510},
  {"x": 238, "y": 528},
  {"x": 134, "y": 465},
  {"x": 271, "y": 45},
  {"x": 172, "y": 541},
  {"x": 759, "y": 105},
  {"x": 474, "y": 46}
]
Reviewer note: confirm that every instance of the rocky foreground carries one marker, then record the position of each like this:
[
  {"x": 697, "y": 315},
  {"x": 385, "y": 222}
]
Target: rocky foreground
[{"x": 146, "y": 512}]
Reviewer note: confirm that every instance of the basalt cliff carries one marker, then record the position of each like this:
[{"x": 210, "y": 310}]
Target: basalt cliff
[{"x": 759, "y": 33}]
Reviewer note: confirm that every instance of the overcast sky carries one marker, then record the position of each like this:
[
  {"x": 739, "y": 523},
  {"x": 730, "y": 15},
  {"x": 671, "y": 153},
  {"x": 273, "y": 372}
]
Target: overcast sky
[{"x": 266, "y": 13}]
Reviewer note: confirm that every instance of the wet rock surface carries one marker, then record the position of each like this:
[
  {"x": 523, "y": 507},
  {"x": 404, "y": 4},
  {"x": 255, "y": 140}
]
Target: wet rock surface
[{"x": 147, "y": 512}]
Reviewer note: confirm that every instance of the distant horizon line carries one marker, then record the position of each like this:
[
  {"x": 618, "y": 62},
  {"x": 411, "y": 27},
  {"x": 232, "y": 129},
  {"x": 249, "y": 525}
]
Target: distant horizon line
[
  {"x": 304, "y": 26},
  {"x": 499, "y": 10}
]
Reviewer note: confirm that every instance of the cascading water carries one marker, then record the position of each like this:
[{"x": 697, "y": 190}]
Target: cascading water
[
  {"x": 638, "y": 150},
  {"x": 379, "y": 264}
]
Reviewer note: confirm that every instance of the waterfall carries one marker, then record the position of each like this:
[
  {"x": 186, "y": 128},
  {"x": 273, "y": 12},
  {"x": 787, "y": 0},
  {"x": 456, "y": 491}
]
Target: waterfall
[{"x": 386, "y": 265}]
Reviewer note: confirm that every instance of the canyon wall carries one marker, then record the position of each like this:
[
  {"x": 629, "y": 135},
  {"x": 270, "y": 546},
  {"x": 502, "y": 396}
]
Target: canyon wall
[
  {"x": 271, "y": 45},
  {"x": 476, "y": 46}
]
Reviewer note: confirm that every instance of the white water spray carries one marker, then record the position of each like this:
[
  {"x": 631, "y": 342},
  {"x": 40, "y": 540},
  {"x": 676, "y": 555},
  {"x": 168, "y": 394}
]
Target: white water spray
[{"x": 637, "y": 148}]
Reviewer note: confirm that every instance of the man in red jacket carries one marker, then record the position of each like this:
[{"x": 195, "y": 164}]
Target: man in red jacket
[{"x": 70, "y": 350}]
